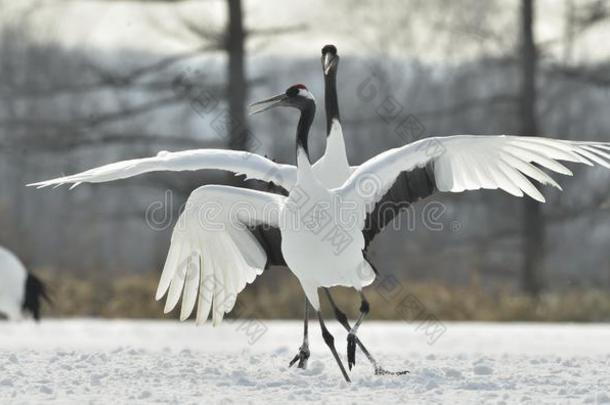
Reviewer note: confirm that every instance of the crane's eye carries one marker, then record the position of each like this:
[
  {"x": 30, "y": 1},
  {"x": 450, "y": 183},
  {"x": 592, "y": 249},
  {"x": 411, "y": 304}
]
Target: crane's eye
[
  {"x": 292, "y": 91},
  {"x": 295, "y": 90}
]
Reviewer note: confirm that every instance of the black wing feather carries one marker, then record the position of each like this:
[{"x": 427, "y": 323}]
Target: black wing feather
[
  {"x": 270, "y": 239},
  {"x": 408, "y": 188}
]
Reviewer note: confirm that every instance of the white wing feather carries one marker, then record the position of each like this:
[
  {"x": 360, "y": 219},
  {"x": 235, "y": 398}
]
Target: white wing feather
[
  {"x": 210, "y": 260},
  {"x": 332, "y": 168},
  {"x": 251, "y": 165},
  {"x": 468, "y": 162}
]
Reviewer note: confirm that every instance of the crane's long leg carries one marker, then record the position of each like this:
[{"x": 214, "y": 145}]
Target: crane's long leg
[
  {"x": 303, "y": 354},
  {"x": 351, "y": 336},
  {"x": 342, "y": 319},
  {"x": 330, "y": 342}
]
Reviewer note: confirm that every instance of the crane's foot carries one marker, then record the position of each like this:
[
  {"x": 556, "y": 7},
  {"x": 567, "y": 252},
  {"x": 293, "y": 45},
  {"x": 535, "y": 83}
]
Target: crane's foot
[
  {"x": 302, "y": 356},
  {"x": 382, "y": 371},
  {"x": 351, "y": 350}
]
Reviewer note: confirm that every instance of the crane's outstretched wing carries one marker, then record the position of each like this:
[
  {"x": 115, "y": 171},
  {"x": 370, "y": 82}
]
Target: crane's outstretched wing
[
  {"x": 213, "y": 254},
  {"x": 464, "y": 162},
  {"x": 251, "y": 165}
]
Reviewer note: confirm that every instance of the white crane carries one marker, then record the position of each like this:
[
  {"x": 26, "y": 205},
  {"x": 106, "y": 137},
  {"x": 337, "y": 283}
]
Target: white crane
[
  {"x": 21, "y": 292},
  {"x": 332, "y": 169},
  {"x": 327, "y": 250}
]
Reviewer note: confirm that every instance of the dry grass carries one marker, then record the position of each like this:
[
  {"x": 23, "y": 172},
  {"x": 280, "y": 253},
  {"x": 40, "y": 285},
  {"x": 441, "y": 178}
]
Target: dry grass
[
  {"x": 276, "y": 295},
  {"x": 130, "y": 296}
]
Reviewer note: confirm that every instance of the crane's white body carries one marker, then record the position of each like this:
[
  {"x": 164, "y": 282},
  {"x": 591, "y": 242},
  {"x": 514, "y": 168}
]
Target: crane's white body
[
  {"x": 319, "y": 244},
  {"x": 13, "y": 276}
]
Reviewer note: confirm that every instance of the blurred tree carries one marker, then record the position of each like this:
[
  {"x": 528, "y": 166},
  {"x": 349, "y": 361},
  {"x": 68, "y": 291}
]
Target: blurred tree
[
  {"x": 233, "y": 41},
  {"x": 578, "y": 20},
  {"x": 533, "y": 220},
  {"x": 236, "y": 78}
]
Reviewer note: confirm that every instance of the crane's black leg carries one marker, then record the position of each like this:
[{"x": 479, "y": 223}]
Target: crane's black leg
[
  {"x": 330, "y": 342},
  {"x": 351, "y": 336},
  {"x": 342, "y": 319},
  {"x": 303, "y": 354}
]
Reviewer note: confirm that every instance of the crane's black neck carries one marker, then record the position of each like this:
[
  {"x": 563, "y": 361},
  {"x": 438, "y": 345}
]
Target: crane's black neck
[
  {"x": 308, "y": 112},
  {"x": 331, "y": 102}
]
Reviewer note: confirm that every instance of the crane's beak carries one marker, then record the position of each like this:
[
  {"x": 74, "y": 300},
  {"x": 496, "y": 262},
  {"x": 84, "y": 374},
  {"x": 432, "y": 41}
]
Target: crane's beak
[
  {"x": 267, "y": 104},
  {"x": 329, "y": 61}
]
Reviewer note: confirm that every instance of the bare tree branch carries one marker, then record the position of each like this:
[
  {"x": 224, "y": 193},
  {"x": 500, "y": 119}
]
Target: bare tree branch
[
  {"x": 459, "y": 108},
  {"x": 271, "y": 31},
  {"x": 94, "y": 120},
  {"x": 58, "y": 141},
  {"x": 120, "y": 80},
  {"x": 596, "y": 76},
  {"x": 215, "y": 37}
]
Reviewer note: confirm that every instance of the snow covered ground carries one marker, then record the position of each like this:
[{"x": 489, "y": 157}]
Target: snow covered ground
[{"x": 96, "y": 361}]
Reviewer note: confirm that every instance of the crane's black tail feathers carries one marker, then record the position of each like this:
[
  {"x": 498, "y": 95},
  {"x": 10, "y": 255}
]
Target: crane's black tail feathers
[{"x": 35, "y": 291}]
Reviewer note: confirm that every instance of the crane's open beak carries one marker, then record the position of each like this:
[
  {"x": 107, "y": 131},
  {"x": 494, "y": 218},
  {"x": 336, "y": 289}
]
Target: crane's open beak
[
  {"x": 329, "y": 62},
  {"x": 267, "y": 104}
]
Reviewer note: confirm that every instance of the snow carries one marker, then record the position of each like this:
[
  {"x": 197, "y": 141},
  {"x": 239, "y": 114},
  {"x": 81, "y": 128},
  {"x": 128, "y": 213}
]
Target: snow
[{"x": 99, "y": 361}]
